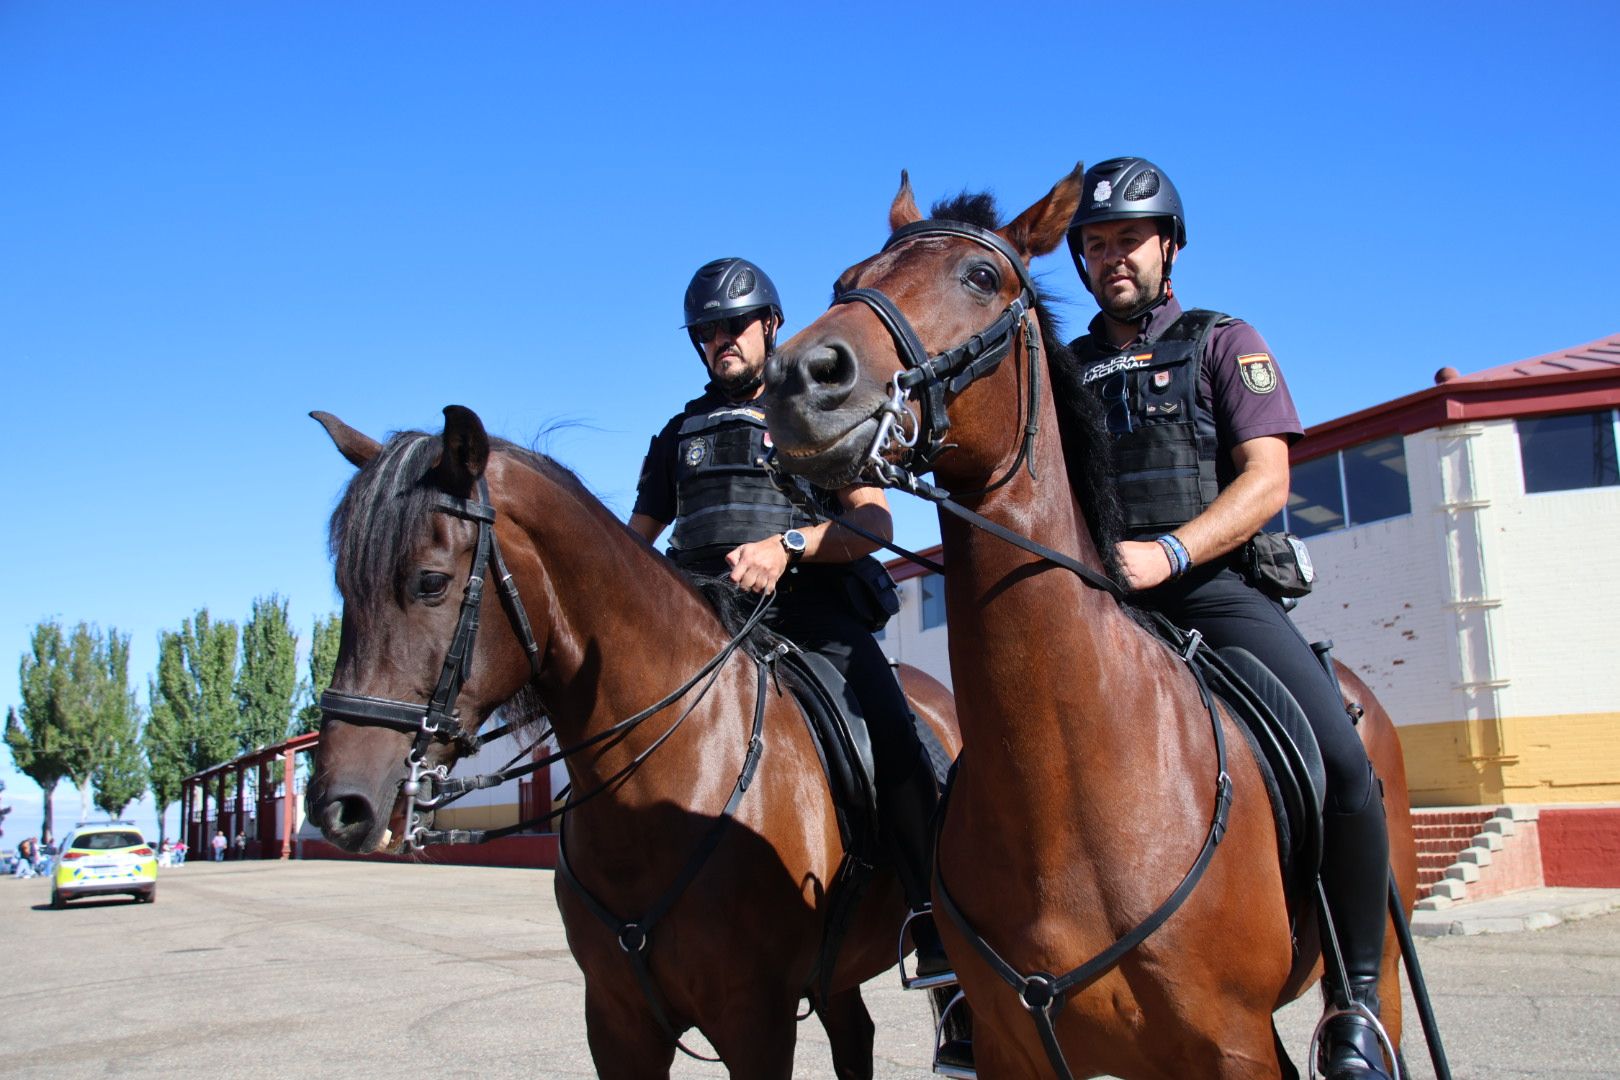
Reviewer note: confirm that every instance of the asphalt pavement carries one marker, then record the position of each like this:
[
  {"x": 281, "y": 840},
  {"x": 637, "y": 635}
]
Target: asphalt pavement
[{"x": 346, "y": 970}]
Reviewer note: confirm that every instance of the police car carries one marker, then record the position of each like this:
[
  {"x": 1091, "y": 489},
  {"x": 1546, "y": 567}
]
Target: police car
[{"x": 103, "y": 859}]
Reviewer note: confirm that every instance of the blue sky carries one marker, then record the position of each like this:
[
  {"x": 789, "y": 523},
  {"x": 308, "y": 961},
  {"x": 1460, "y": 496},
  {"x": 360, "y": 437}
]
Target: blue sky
[{"x": 216, "y": 217}]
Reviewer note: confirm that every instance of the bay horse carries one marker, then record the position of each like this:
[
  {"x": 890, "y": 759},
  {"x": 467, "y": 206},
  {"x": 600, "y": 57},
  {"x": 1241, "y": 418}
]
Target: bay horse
[
  {"x": 1088, "y": 778},
  {"x": 614, "y": 629}
]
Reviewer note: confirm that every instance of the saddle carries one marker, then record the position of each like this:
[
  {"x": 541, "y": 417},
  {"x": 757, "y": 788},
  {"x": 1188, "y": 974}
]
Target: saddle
[
  {"x": 838, "y": 729},
  {"x": 1286, "y": 750}
]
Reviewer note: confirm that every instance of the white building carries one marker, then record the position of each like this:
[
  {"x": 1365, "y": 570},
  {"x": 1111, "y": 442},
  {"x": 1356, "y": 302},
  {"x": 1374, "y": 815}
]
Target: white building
[{"x": 1464, "y": 538}]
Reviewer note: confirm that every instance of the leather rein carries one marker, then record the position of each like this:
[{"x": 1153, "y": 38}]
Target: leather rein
[{"x": 930, "y": 378}]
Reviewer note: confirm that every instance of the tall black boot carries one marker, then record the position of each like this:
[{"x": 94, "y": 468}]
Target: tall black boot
[
  {"x": 906, "y": 815},
  {"x": 1355, "y": 878}
]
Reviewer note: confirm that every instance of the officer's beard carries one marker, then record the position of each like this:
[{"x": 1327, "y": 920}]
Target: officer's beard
[{"x": 741, "y": 386}]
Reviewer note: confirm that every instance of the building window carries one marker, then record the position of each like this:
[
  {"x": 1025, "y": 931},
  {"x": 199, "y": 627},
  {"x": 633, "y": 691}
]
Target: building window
[
  {"x": 1351, "y": 487},
  {"x": 1562, "y": 453},
  {"x": 933, "y": 600}
]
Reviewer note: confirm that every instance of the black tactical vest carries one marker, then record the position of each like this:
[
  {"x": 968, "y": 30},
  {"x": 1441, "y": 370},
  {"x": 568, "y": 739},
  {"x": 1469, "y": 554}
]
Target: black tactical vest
[
  {"x": 1164, "y": 444},
  {"x": 723, "y": 496}
]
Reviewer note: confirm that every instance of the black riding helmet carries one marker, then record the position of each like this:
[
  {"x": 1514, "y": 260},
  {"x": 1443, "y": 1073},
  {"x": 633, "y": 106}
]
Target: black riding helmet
[
  {"x": 728, "y": 287},
  {"x": 1125, "y": 187}
]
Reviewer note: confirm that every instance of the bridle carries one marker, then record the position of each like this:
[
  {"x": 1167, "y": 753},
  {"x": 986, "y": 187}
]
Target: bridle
[
  {"x": 438, "y": 721},
  {"x": 931, "y": 377}
]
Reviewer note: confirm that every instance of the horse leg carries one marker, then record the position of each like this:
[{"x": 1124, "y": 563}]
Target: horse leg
[
  {"x": 849, "y": 1030},
  {"x": 625, "y": 1046},
  {"x": 756, "y": 1041}
]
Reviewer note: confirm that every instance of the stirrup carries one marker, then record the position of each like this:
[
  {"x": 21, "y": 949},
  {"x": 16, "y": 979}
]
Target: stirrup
[
  {"x": 920, "y": 982},
  {"x": 944, "y": 1068},
  {"x": 1355, "y": 1008}
]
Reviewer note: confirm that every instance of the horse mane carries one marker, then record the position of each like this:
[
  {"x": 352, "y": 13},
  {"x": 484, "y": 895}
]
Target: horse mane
[
  {"x": 1086, "y": 446},
  {"x": 381, "y": 515}
]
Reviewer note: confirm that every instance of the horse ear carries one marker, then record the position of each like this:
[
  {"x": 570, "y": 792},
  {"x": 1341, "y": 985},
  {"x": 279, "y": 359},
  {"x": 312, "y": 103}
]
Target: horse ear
[
  {"x": 903, "y": 211},
  {"x": 466, "y": 452},
  {"x": 359, "y": 449},
  {"x": 1041, "y": 228}
]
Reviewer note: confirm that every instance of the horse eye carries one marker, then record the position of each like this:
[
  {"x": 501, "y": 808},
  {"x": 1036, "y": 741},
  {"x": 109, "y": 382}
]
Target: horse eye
[
  {"x": 983, "y": 278},
  {"x": 431, "y": 583}
]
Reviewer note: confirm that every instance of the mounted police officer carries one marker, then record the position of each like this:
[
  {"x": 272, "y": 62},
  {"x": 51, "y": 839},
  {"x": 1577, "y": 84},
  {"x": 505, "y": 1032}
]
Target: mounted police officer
[
  {"x": 1201, "y": 421},
  {"x": 704, "y": 471}
]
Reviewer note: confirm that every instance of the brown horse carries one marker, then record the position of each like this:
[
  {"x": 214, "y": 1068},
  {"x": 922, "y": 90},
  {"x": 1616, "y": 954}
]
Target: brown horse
[
  {"x": 615, "y": 628},
  {"x": 1088, "y": 782}
]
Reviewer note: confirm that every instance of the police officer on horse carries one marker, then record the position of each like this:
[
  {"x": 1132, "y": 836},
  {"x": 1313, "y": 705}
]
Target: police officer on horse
[
  {"x": 705, "y": 473},
  {"x": 1201, "y": 421}
]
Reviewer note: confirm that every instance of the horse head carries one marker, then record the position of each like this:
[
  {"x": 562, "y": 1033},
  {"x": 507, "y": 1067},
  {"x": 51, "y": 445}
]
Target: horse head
[
  {"x": 907, "y": 362},
  {"x": 414, "y": 539}
]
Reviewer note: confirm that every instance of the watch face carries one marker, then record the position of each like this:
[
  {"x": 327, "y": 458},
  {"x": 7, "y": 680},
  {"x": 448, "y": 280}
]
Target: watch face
[{"x": 793, "y": 540}]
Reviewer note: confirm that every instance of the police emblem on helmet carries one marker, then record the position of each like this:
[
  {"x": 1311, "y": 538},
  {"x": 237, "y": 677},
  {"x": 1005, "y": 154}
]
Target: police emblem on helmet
[
  {"x": 1103, "y": 193},
  {"x": 694, "y": 452},
  {"x": 1258, "y": 373}
]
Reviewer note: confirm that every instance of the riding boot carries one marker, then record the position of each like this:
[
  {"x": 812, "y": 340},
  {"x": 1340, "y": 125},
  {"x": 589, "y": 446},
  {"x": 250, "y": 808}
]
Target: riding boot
[
  {"x": 906, "y": 812},
  {"x": 1355, "y": 879}
]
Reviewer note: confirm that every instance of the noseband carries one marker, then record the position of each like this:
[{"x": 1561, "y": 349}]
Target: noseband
[
  {"x": 438, "y": 721},
  {"x": 932, "y": 377}
]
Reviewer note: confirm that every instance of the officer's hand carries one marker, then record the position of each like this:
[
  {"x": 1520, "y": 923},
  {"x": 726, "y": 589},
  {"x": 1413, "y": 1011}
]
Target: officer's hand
[
  {"x": 757, "y": 566},
  {"x": 1145, "y": 563}
]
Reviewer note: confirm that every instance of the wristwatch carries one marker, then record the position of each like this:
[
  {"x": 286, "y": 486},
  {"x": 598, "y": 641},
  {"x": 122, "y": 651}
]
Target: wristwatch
[{"x": 793, "y": 544}]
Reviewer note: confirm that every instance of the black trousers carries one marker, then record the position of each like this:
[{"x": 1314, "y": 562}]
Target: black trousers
[
  {"x": 1216, "y": 601},
  {"x": 813, "y": 612}
]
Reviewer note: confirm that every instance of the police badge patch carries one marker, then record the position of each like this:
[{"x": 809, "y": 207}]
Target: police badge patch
[
  {"x": 694, "y": 453},
  {"x": 1258, "y": 373}
]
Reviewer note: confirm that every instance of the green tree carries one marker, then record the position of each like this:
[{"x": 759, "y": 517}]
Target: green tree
[
  {"x": 268, "y": 680},
  {"x": 116, "y": 769},
  {"x": 33, "y": 732},
  {"x": 168, "y": 760},
  {"x": 194, "y": 717},
  {"x": 120, "y": 775},
  {"x": 323, "y": 652}
]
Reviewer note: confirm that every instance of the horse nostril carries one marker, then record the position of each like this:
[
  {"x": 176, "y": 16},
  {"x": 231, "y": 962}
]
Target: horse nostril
[
  {"x": 832, "y": 366},
  {"x": 347, "y": 817}
]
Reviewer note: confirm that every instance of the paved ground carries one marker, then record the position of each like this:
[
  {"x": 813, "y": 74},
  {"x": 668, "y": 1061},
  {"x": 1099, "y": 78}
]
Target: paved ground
[{"x": 357, "y": 971}]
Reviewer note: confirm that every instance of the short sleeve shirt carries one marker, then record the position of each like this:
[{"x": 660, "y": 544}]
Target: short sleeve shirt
[{"x": 655, "y": 490}]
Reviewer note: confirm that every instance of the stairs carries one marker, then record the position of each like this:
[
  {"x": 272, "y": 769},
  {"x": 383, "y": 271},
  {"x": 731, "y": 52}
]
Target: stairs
[{"x": 1455, "y": 846}]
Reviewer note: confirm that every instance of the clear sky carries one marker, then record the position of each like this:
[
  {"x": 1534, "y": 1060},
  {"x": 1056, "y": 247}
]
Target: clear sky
[{"x": 216, "y": 217}]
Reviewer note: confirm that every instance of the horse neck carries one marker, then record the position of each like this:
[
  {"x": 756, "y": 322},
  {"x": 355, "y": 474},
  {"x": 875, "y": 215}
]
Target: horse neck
[
  {"x": 1027, "y": 638},
  {"x": 623, "y": 629}
]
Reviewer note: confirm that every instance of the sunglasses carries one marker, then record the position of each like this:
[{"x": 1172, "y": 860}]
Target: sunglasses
[
  {"x": 1115, "y": 393},
  {"x": 734, "y": 327}
]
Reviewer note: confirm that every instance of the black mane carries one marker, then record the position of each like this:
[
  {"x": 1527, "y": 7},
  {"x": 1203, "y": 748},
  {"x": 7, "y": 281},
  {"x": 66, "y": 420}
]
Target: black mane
[
  {"x": 1086, "y": 446},
  {"x": 383, "y": 512}
]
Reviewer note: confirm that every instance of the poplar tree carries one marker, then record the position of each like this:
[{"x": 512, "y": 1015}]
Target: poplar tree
[
  {"x": 33, "y": 733},
  {"x": 115, "y": 763},
  {"x": 194, "y": 715},
  {"x": 268, "y": 680},
  {"x": 323, "y": 652}
]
